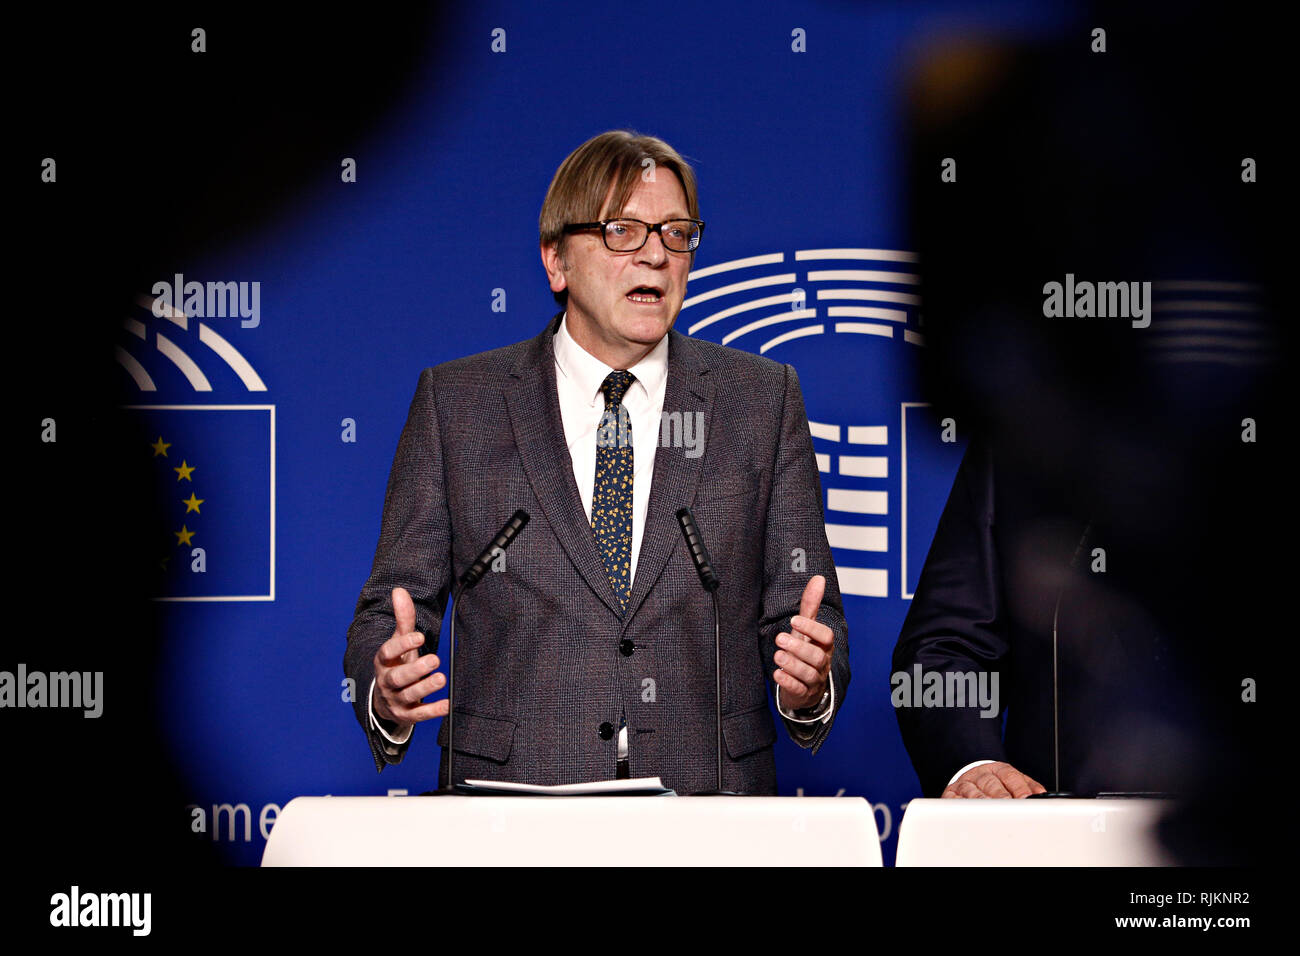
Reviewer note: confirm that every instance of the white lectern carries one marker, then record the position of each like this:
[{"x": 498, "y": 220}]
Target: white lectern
[
  {"x": 1054, "y": 832},
  {"x": 579, "y": 831}
]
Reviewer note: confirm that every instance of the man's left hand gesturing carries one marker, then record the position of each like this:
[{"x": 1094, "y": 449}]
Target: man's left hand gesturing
[{"x": 803, "y": 658}]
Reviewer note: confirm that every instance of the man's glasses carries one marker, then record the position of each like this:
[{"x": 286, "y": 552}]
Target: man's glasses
[{"x": 629, "y": 235}]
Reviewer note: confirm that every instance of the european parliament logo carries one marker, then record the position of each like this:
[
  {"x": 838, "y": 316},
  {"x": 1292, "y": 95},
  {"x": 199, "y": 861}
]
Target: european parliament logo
[
  {"x": 213, "y": 464},
  {"x": 845, "y": 319}
]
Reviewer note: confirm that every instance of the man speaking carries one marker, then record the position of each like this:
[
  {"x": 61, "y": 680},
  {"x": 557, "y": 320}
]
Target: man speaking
[{"x": 587, "y": 652}]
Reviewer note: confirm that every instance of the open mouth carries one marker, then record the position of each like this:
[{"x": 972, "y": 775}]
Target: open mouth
[{"x": 646, "y": 293}]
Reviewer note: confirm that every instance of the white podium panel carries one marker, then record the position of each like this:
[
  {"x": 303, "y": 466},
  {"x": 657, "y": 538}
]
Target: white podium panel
[
  {"x": 578, "y": 831},
  {"x": 1056, "y": 832}
]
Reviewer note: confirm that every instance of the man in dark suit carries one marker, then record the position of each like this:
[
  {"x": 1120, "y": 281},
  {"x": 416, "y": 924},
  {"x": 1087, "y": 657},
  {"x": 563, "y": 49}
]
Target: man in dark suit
[
  {"x": 588, "y": 653},
  {"x": 1016, "y": 593}
]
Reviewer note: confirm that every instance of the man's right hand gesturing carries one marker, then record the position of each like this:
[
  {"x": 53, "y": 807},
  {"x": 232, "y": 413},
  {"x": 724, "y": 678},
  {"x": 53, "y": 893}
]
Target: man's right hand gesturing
[{"x": 404, "y": 676}]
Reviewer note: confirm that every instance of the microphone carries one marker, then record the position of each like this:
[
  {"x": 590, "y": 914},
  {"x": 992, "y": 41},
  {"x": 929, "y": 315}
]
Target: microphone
[
  {"x": 709, "y": 581},
  {"x": 698, "y": 552},
  {"x": 473, "y": 574}
]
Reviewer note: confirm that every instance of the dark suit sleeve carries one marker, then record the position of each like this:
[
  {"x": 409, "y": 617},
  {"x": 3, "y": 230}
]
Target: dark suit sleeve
[
  {"x": 956, "y": 623},
  {"x": 414, "y": 552},
  {"x": 796, "y": 520}
]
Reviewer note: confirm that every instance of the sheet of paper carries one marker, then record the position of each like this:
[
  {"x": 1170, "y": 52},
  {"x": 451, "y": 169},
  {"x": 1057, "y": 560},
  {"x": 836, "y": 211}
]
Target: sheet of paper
[{"x": 595, "y": 787}]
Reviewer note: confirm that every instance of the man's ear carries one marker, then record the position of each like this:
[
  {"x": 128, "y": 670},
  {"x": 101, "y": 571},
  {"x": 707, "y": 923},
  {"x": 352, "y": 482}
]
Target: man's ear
[{"x": 553, "y": 262}]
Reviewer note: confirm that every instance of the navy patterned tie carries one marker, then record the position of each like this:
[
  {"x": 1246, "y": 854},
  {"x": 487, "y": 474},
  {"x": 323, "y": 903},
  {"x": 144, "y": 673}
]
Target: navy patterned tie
[{"x": 611, "y": 497}]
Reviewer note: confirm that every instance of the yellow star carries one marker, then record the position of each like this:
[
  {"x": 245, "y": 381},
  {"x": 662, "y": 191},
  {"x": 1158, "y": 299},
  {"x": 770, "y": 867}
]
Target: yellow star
[
  {"x": 191, "y": 503},
  {"x": 184, "y": 471},
  {"x": 160, "y": 447},
  {"x": 162, "y": 565},
  {"x": 183, "y": 536}
]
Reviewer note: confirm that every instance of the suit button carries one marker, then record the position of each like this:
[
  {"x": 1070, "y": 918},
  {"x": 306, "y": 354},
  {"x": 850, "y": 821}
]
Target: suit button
[
  {"x": 606, "y": 731},
  {"x": 625, "y": 647}
]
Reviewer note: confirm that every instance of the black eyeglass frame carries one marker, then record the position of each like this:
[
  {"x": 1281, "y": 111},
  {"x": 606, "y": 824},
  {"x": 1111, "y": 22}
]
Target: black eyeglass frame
[{"x": 649, "y": 228}]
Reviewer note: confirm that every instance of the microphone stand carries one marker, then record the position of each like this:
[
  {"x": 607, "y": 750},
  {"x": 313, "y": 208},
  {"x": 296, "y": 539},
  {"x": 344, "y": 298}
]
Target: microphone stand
[
  {"x": 710, "y": 582},
  {"x": 473, "y": 574},
  {"x": 451, "y": 689},
  {"x": 1056, "y": 792}
]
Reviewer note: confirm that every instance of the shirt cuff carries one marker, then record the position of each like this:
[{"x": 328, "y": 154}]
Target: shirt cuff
[
  {"x": 374, "y": 721},
  {"x": 819, "y": 718},
  {"x": 976, "y": 763}
]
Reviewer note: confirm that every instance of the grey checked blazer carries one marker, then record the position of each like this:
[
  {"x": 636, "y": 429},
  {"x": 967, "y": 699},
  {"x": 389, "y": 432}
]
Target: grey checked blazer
[{"x": 539, "y": 666}]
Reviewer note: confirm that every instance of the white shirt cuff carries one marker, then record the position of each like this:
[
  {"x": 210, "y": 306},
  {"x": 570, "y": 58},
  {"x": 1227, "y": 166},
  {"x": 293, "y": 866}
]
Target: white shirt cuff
[
  {"x": 821, "y": 718},
  {"x": 977, "y": 763},
  {"x": 374, "y": 722}
]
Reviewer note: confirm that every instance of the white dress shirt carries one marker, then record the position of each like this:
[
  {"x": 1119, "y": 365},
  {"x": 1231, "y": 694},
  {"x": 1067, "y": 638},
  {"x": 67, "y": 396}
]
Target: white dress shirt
[{"x": 578, "y": 377}]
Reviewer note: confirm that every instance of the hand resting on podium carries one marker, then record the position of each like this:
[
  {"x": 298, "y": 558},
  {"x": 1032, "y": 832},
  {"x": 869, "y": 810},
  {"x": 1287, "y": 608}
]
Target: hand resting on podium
[{"x": 997, "y": 779}]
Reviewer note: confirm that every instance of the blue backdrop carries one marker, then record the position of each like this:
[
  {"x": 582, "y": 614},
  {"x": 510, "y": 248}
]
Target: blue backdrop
[{"x": 798, "y": 154}]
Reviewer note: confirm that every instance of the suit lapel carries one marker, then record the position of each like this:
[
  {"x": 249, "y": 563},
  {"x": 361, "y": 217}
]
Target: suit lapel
[
  {"x": 689, "y": 390},
  {"x": 534, "y": 407}
]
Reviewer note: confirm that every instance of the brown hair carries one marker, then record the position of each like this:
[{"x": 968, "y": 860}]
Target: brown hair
[{"x": 578, "y": 190}]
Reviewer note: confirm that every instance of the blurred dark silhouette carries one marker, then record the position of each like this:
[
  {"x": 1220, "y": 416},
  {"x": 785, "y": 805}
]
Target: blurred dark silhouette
[
  {"x": 1117, "y": 166},
  {"x": 163, "y": 155}
]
